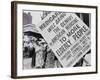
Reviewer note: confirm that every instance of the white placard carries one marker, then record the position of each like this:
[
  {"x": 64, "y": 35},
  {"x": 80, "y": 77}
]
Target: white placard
[{"x": 67, "y": 36}]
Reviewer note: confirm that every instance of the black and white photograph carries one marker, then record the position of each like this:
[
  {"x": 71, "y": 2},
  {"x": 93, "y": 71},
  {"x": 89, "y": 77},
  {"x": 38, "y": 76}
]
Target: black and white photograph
[
  {"x": 53, "y": 39},
  {"x": 36, "y": 51}
]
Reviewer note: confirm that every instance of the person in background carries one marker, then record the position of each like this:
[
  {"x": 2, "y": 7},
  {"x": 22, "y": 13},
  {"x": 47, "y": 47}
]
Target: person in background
[
  {"x": 39, "y": 55},
  {"x": 32, "y": 52}
]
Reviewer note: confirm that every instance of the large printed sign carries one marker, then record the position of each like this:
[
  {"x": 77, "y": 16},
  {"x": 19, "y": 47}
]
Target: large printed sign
[{"x": 67, "y": 35}]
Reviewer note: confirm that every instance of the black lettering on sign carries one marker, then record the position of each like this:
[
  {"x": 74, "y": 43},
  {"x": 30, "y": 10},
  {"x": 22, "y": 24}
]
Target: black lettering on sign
[
  {"x": 56, "y": 30},
  {"x": 60, "y": 18},
  {"x": 51, "y": 27},
  {"x": 57, "y": 37},
  {"x": 66, "y": 56},
  {"x": 49, "y": 20},
  {"x": 73, "y": 30},
  {"x": 63, "y": 39},
  {"x": 63, "y": 48},
  {"x": 80, "y": 33},
  {"x": 71, "y": 24},
  {"x": 45, "y": 14},
  {"x": 64, "y": 23}
]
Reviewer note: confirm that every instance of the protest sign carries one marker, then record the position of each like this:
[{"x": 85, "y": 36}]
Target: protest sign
[{"x": 67, "y": 35}]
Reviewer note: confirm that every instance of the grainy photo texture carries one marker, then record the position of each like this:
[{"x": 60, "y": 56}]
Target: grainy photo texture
[{"x": 54, "y": 39}]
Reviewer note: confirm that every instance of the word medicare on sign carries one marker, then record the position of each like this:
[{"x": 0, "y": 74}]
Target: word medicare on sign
[{"x": 67, "y": 35}]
